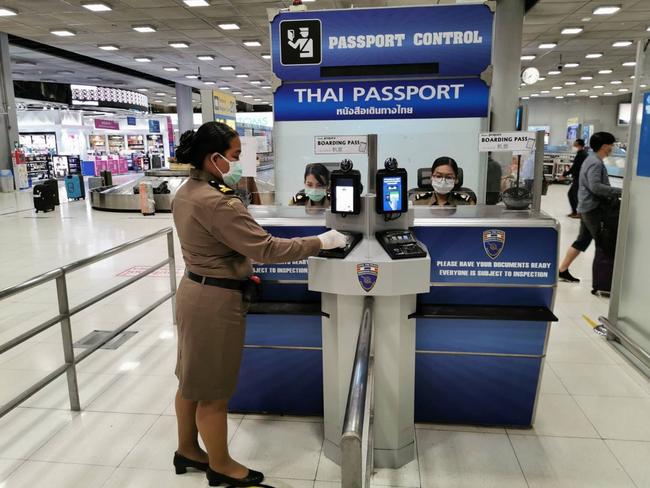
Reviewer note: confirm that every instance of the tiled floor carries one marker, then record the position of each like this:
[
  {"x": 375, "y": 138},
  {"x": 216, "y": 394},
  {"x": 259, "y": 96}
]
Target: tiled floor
[{"x": 592, "y": 428}]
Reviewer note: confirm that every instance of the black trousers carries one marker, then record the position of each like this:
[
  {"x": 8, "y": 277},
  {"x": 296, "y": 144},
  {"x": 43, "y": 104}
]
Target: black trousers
[
  {"x": 573, "y": 198},
  {"x": 589, "y": 227}
]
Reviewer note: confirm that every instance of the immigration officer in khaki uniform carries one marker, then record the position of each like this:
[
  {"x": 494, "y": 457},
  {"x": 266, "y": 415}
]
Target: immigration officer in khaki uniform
[
  {"x": 446, "y": 183},
  {"x": 316, "y": 192},
  {"x": 218, "y": 239}
]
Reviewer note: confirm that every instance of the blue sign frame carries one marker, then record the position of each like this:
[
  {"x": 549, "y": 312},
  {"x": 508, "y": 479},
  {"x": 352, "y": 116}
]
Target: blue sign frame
[{"x": 643, "y": 164}]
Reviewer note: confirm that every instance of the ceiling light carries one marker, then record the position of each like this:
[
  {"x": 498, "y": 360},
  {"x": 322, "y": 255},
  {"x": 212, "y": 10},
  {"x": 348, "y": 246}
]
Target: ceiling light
[
  {"x": 572, "y": 30},
  {"x": 248, "y": 96},
  {"x": 256, "y": 82},
  {"x": 554, "y": 73},
  {"x": 598, "y": 87},
  {"x": 622, "y": 89},
  {"x": 622, "y": 44},
  {"x": 143, "y": 89},
  {"x": 196, "y": 3},
  {"x": 157, "y": 101},
  {"x": 608, "y": 93},
  {"x": 47, "y": 80},
  {"x": 632, "y": 77},
  {"x": 528, "y": 57},
  {"x": 179, "y": 44},
  {"x": 143, "y": 60},
  {"x": 616, "y": 82},
  {"x": 192, "y": 77},
  {"x": 63, "y": 33},
  {"x": 593, "y": 96},
  {"x": 224, "y": 88},
  {"x": 227, "y": 68},
  {"x": 236, "y": 93},
  {"x": 108, "y": 47},
  {"x": 648, "y": 29},
  {"x": 606, "y": 10},
  {"x": 97, "y": 7},
  {"x": 144, "y": 28},
  {"x": 643, "y": 86},
  {"x": 266, "y": 56},
  {"x": 161, "y": 94},
  {"x": 252, "y": 43},
  {"x": 559, "y": 97},
  {"x": 525, "y": 98},
  {"x": 266, "y": 87},
  {"x": 241, "y": 75},
  {"x": 541, "y": 78},
  {"x": 572, "y": 65},
  {"x": 629, "y": 63},
  {"x": 534, "y": 94},
  {"x": 586, "y": 78},
  {"x": 170, "y": 68},
  {"x": 584, "y": 90},
  {"x": 206, "y": 57},
  {"x": 547, "y": 45},
  {"x": 545, "y": 92},
  {"x": 570, "y": 94},
  {"x": 7, "y": 12},
  {"x": 569, "y": 83},
  {"x": 209, "y": 83},
  {"x": 556, "y": 88},
  {"x": 230, "y": 26},
  {"x": 594, "y": 55},
  {"x": 257, "y": 99},
  {"x": 605, "y": 72}
]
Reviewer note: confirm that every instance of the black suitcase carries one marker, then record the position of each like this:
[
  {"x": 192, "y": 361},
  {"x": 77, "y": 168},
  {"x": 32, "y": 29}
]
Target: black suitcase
[
  {"x": 44, "y": 198},
  {"x": 54, "y": 188},
  {"x": 602, "y": 271}
]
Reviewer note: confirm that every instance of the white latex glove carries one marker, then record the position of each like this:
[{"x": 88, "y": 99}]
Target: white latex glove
[{"x": 332, "y": 239}]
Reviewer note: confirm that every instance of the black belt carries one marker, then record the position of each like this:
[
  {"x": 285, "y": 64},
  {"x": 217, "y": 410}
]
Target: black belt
[{"x": 220, "y": 282}]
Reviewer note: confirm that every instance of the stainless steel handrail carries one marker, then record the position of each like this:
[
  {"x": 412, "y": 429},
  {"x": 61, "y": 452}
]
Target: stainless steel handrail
[
  {"x": 636, "y": 350},
  {"x": 354, "y": 472},
  {"x": 65, "y": 313}
]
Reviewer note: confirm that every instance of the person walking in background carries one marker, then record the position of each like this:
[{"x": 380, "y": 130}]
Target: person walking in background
[
  {"x": 581, "y": 154},
  {"x": 593, "y": 190}
]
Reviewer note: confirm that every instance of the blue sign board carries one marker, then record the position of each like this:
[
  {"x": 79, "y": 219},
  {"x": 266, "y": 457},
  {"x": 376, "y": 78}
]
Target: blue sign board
[
  {"x": 458, "y": 38},
  {"x": 130, "y": 121},
  {"x": 414, "y": 99},
  {"x": 154, "y": 126},
  {"x": 643, "y": 164},
  {"x": 491, "y": 255}
]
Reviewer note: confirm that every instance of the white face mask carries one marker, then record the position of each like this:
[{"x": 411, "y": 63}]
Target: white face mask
[
  {"x": 574, "y": 149},
  {"x": 442, "y": 186}
]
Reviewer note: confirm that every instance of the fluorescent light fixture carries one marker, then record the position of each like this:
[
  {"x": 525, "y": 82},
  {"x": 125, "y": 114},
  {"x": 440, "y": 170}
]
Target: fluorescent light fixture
[
  {"x": 570, "y": 94},
  {"x": 236, "y": 93},
  {"x": 525, "y": 98},
  {"x": 559, "y": 97},
  {"x": 545, "y": 92},
  {"x": 622, "y": 44},
  {"x": 585, "y": 19},
  {"x": 584, "y": 90},
  {"x": 143, "y": 89},
  {"x": 252, "y": 43},
  {"x": 257, "y": 99},
  {"x": 605, "y": 72},
  {"x": 622, "y": 89},
  {"x": 248, "y": 96},
  {"x": 256, "y": 82},
  {"x": 161, "y": 94},
  {"x": 205, "y": 57},
  {"x": 229, "y": 26},
  {"x": 528, "y": 57},
  {"x": 554, "y": 73},
  {"x": 63, "y": 33},
  {"x": 607, "y": 9},
  {"x": 227, "y": 68},
  {"x": 196, "y": 3},
  {"x": 616, "y": 82},
  {"x": 541, "y": 78},
  {"x": 534, "y": 95},
  {"x": 209, "y": 83},
  {"x": 643, "y": 86},
  {"x": 547, "y": 45},
  {"x": 586, "y": 78},
  {"x": 572, "y": 65},
  {"x": 608, "y": 93},
  {"x": 241, "y": 75},
  {"x": 192, "y": 77},
  {"x": 144, "y": 28},
  {"x": 632, "y": 77},
  {"x": 157, "y": 101},
  {"x": 143, "y": 59},
  {"x": 97, "y": 6},
  {"x": 594, "y": 55},
  {"x": 170, "y": 68},
  {"x": 108, "y": 47},
  {"x": 629, "y": 63},
  {"x": 7, "y": 12},
  {"x": 598, "y": 87},
  {"x": 556, "y": 88},
  {"x": 569, "y": 83},
  {"x": 593, "y": 96},
  {"x": 572, "y": 30},
  {"x": 266, "y": 87},
  {"x": 266, "y": 56},
  {"x": 179, "y": 44}
]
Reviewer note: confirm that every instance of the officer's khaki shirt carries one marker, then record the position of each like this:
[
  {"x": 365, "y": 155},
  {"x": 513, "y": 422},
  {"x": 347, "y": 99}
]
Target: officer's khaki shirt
[{"x": 219, "y": 237}]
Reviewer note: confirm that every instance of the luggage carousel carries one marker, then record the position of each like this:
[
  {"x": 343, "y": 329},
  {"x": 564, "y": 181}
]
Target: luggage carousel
[{"x": 124, "y": 197}]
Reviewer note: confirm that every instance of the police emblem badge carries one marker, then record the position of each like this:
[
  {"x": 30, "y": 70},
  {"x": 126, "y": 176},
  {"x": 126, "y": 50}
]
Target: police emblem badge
[
  {"x": 367, "y": 275},
  {"x": 493, "y": 242}
]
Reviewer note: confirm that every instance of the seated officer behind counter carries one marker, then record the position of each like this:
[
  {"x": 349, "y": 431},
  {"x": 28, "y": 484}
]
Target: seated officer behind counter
[
  {"x": 316, "y": 192},
  {"x": 446, "y": 185}
]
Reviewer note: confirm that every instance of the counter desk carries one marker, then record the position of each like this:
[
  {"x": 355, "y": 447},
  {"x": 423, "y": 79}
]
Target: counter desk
[{"x": 481, "y": 330}]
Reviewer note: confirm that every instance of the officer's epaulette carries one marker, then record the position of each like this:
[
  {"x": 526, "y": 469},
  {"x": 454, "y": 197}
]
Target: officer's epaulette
[
  {"x": 299, "y": 198},
  {"x": 221, "y": 187},
  {"x": 423, "y": 196},
  {"x": 463, "y": 196}
]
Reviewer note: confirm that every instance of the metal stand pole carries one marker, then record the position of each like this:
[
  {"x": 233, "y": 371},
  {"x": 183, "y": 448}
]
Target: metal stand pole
[
  {"x": 66, "y": 334},
  {"x": 538, "y": 187},
  {"x": 172, "y": 272}
]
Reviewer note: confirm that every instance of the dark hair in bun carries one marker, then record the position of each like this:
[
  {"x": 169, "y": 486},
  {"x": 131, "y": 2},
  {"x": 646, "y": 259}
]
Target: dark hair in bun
[{"x": 210, "y": 138}]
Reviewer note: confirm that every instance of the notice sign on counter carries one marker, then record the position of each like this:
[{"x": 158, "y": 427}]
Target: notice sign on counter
[
  {"x": 340, "y": 145},
  {"x": 506, "y": 141},
  {"x": 292, "y": 271}
]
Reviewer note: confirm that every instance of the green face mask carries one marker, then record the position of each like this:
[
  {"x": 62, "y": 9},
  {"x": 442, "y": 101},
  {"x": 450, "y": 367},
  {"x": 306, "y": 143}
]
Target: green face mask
[
  {"x": 315, "y": 194},
  {"x": 234, "y": 174}
]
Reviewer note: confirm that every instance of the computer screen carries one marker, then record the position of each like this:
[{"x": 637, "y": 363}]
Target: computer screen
[
  {"x": 344, "y": 195},
  {"x": 392, "y": 193}
]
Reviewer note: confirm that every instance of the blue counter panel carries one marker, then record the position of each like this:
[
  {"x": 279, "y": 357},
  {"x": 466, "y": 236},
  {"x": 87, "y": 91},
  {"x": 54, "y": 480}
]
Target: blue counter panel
[
  {"x": 288, "y": 293},
  {"x": 480, "y": 390},
  {"x": 488, "y": 295},
  {"x": 284, "y": 330},
  {"x": 288, "y": 382},
  {"x": 483, "y": 336}
]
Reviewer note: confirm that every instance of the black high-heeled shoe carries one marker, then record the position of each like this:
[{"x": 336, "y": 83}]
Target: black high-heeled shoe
[
  {"x": 181, "y": 463},
  {"x": 215, "y": 479}
]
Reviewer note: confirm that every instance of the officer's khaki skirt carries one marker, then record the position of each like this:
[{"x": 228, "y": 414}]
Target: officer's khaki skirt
[{"x": 211, "y": 325}]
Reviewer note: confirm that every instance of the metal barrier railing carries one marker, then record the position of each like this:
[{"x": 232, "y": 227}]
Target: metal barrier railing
[
  {"x": 356, "y": 438},
  {"x": 65, "y": 313},
  {"x": 613, "y": 332}
]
